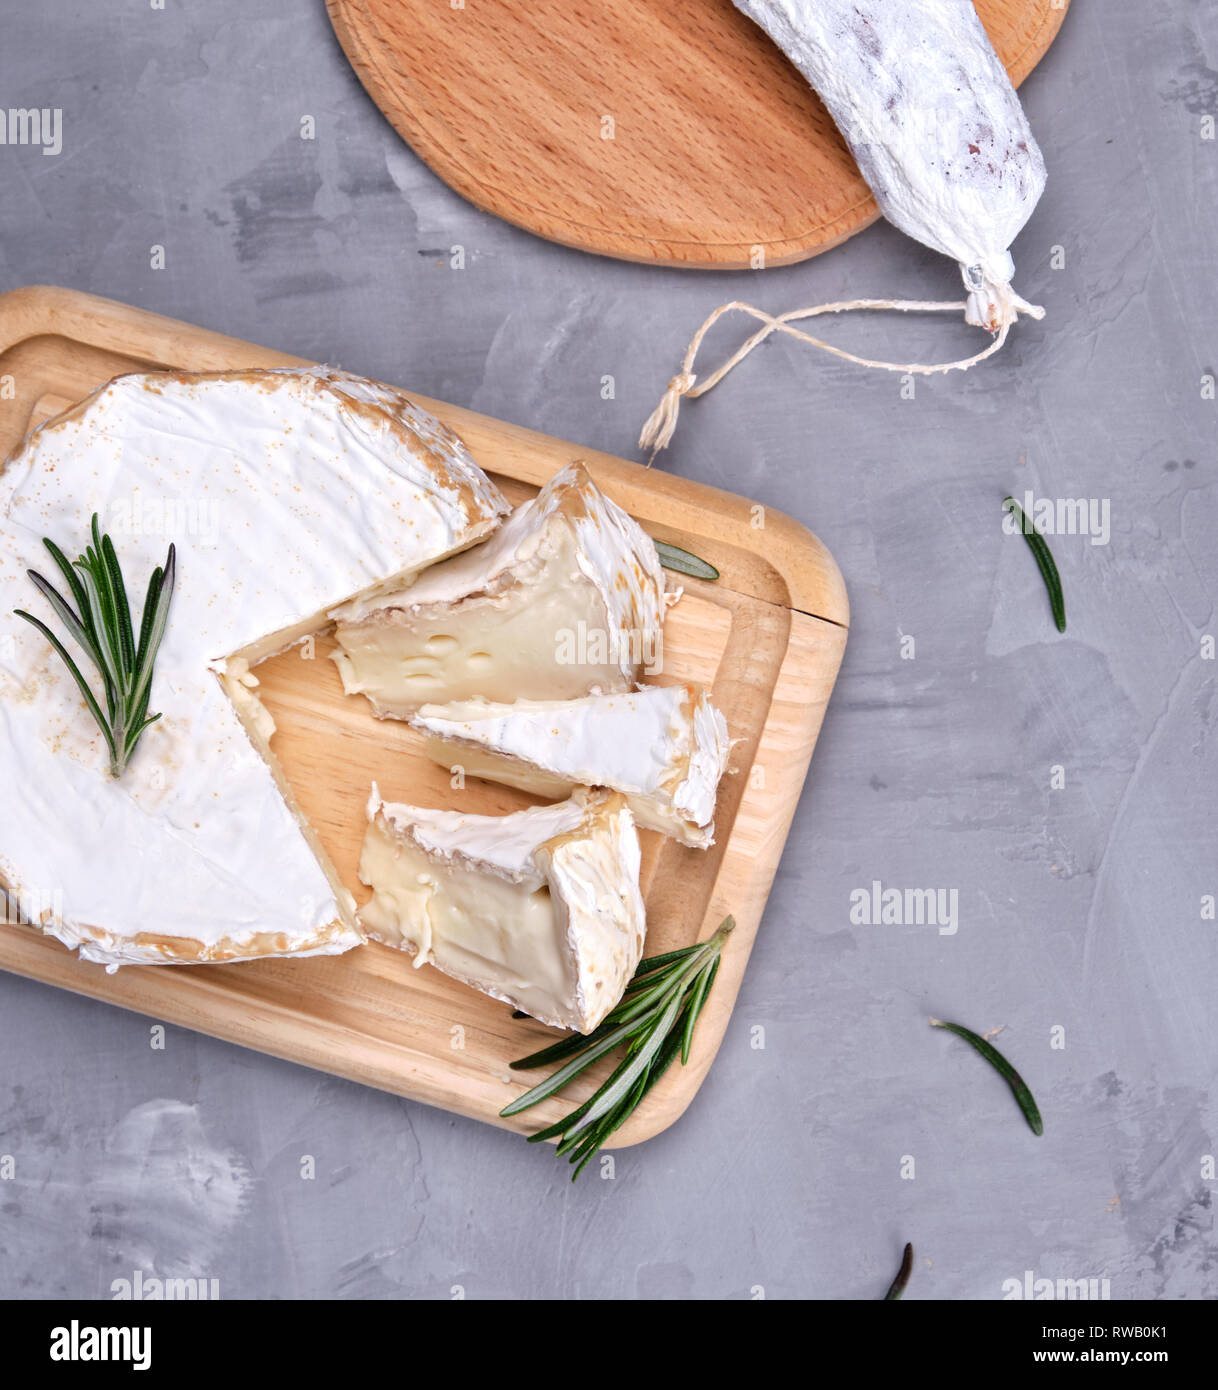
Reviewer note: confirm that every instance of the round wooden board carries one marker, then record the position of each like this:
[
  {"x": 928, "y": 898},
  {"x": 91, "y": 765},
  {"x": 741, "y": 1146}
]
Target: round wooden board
[{"x": 718, "y": 145}]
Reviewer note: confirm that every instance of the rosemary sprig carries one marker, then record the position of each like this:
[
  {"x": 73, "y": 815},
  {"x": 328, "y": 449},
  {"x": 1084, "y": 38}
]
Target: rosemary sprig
[
  {"x": 672, "y": 557},
  {"x": 1044, "y": 558},
  {"x": 897, "y": 1287},
  {"x": 654, "y": 1021},
  {"x": 1003, "y": 1068},
  {"x": 101, "y": 626}
]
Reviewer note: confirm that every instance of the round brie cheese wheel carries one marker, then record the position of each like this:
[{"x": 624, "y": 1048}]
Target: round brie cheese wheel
[{"x": 286, "y": 493}]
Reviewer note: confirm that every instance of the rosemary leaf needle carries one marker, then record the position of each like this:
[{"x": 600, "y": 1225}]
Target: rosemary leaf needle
[
  {"x": 107, "y": 637},
  {"x": 1044, "y": 558},
  {"x": 160, "y": 620},
  {"x": 564, "y": 1074},
  {"x": 90, "y": 701},
  {"x": 70, "y": 620},
  {"x": 672, "y": 557},
  {"x": 897, "y": 1287},
  {"x": 69, "y": 573},
  {"x": 701, "y": 985},
  {"x": 150, "y": 603},
  {"x": 122, "y": 606},
  {"x": 654, "y": 962},
  {"x": 556, "y": 1052},
  {"x": 1000, "y": 1064},
  {"x": 666, "y": 1056}
]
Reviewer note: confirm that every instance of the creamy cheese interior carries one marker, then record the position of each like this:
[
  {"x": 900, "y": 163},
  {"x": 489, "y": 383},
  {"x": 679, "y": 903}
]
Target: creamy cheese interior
[
  {"x": 648, "y": 811},
  {"x": 566, "y": 598},
  {"x": 500, "y": 936},
  {"x": 546, "y": 635},
  {"x": 497, "y": 767},
  {"x": 541, "y": 908}
]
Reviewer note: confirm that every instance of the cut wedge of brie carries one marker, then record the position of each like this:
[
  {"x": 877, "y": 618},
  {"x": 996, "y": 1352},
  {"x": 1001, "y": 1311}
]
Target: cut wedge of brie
[
  {"x": 286, "y": 493},
  {"x": 540, "y": 908},
  {"x": 565, "y": 599},
  {"x": 665, "y": 747}
]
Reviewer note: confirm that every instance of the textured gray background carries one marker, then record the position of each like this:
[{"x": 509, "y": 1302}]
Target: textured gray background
[{"x": 1079, "y": 907}]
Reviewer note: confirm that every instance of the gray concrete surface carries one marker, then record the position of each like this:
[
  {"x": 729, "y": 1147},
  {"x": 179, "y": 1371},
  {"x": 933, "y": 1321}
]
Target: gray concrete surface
[{"x": 1080, "y": 907}]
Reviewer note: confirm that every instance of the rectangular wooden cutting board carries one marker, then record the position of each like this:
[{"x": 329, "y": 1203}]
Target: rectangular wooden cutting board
[{"x": 766, "y": 638}]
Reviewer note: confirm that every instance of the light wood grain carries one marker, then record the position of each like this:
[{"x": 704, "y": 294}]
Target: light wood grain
[
  {"x": 718, "y": 147},
  {"x": 767, "y": 639}
]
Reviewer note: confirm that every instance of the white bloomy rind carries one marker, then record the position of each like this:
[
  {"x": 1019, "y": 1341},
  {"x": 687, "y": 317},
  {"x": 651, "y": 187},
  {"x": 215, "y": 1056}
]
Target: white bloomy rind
[
  {"x": 566, "y": 598},
  {"x": 286, "y": 492},
  {"x": 541, "y": 908},
  {"x": 931, "y": 118},
  {"x": 664, "y": 747}
]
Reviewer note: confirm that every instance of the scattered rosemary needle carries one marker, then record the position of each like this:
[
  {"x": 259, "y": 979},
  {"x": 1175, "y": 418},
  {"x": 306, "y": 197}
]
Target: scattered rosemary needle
[
  {"x": 655, "y": 1020},
  {"x": 101, "y": 625},
  {"x": 672, "y": 557},
  {"x": 1044, "y": 558},
  {"x": 897, "y": 1287},
  {"x": 1003, "y": 1068}
]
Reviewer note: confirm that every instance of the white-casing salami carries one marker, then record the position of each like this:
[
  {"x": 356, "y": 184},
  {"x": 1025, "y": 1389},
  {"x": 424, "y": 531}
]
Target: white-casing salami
[{"x": 932, "y": 120}]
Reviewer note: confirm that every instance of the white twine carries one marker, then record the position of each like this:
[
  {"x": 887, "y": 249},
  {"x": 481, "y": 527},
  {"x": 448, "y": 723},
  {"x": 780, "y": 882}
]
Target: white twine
[{"x": 658, "y": 430}]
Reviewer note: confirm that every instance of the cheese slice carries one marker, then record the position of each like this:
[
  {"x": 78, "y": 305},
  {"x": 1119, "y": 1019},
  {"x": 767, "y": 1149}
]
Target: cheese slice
[
  {"x": 540, "y": 908},
  {"x": 566, "y": 598},
  {"x": 286, "y": 493},
  {"x": 665, "y": 747}
]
